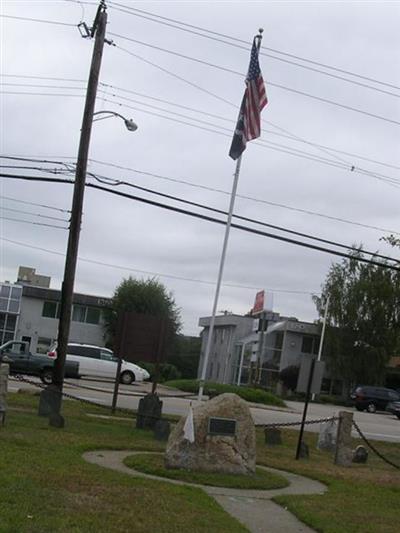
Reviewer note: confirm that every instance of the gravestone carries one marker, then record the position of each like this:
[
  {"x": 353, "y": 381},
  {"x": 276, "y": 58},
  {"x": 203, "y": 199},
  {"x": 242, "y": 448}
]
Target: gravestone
[
  {"x": 50, "y": 401},
  {"x": 304, "y": 452},
  {"x": 327, "y": 436},
  {"x": 360, "y": 455},
  {"x": 4, "y": 370},
  {"x": 273, "y": 436},
  {"x": 162, "y": 430},
  {"x": 224, "y": 438},
  {"x": 149, "y": 411},
  {"x": 344, "y": 453}
]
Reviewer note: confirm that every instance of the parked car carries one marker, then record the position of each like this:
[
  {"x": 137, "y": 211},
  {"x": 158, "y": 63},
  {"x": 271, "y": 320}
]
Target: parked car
[
  {"x": 394, "y": 408},
  {"x": 22, "y": 361},
  {"x": 96, "y": 361},
  {"x": 373, "y": 398}
]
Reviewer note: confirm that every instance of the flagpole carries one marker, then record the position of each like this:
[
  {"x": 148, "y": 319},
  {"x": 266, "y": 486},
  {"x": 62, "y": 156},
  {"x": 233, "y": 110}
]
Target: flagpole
[{"x": 220, "y": 273}]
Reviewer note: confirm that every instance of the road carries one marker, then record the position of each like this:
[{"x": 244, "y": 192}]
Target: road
[{"x": 377, "y": 426}]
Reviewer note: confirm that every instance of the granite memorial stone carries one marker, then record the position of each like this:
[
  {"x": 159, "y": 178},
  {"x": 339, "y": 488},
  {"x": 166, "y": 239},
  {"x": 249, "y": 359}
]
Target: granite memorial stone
[
  {"x": 224, "y": 438},
  {"x": 149, "y": 411},
  {"x": 162, "y": 430},
  {"x": 344, "y": 452},
  {"x": 360, "y": 455}
]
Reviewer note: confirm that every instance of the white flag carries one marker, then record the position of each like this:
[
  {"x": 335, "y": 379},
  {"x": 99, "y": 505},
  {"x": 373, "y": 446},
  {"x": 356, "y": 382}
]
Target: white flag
[{"x": 188, "y": 428}]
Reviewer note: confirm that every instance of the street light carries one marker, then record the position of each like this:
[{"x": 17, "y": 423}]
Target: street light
[{"x": 130, "y": 125}]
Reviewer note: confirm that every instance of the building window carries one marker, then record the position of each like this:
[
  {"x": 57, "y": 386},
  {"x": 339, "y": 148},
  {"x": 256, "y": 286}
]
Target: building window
[
  {"x": 51, "y": 310},
  {"x": 93, "y": 315},
  {"x": 89, "y": 315},
  {"x": 310, "y": 344},
  {"x": 78, "y": 313}
]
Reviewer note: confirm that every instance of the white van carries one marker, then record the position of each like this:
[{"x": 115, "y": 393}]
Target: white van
[{"x": 95, "y": 361}]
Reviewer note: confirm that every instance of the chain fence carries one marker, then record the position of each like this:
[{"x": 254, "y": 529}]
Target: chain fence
[{"x": 275, "y": 425}]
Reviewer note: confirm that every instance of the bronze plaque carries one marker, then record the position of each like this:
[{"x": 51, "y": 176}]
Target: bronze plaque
[{"x": 222, "y": 426}]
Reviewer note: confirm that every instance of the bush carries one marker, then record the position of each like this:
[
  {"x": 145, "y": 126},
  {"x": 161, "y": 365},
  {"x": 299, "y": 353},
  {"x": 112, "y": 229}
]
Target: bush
[
  {"x": 289, "y": 376},
  {"x": 167, "y": 371},
  {"x": 247, "y": 393}
]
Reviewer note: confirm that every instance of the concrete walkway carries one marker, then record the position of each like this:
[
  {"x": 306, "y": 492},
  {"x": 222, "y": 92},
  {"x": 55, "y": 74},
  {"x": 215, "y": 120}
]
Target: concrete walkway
[{"x": 253, "y": 508}]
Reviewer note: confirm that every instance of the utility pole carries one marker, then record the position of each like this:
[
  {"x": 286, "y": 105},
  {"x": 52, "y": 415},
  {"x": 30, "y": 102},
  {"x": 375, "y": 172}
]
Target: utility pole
[
  {"x": 98, "y": 30},
  {"x": 321, "y": 342}
]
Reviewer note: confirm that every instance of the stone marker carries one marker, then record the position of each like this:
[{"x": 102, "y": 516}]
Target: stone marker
[
  {"x": 50, "y": 401},
  {"x": 273, "y": 436},
  {"x": 360, "y": 454},
  {"x": 225, "y": 439},
  {"x": 162, "y": 429},
  {"x": 56, "y": 420},
  {"x": 304, "y": 451},
  {"x": 4, "y": 370},
  {"x": 344, "y": 453},
  {"x": 327, "y": 436},
  {"x": 149, "y": 411}
]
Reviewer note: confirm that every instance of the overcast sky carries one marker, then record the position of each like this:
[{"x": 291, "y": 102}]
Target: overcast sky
[{"x": 360, "y": 37}]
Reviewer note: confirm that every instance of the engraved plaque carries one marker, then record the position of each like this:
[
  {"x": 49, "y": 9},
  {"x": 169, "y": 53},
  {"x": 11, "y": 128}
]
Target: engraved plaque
[{"x": 221, "y": 426}]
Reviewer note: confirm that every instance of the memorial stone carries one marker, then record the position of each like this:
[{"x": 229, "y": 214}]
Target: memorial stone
[
  {"x": 149, "y": 411},
  {"x": 50, "y": 401},
  {"x": 360, "y": 455},
  {"x": 344, "y": 453},
  {"x": 304, "y": 451},
  {"x": 162, "y": 429},
  {"x": 224, "y": 438},
  {"x": 327, "y": 436},
  {"x": 273, "y": 436},
  {"x": 4, "y": 370}
]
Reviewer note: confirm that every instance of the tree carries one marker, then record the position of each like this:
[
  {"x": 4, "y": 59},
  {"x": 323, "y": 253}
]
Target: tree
[
  {"x": 147, "y": 297},
  {"x": 186, "y": 355},
  {"x": 363, "y": 323}
]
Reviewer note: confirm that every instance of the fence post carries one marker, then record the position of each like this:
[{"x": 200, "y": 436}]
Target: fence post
[
  {"x": 343, "y": 453},
  {"x": 4, "y": 370}
]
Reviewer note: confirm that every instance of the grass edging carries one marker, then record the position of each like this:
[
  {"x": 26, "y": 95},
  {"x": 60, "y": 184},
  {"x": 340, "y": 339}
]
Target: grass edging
[{"x": 153, "y": 463}]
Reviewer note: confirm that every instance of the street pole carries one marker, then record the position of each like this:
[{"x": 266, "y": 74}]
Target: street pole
[
  {"x": 321, "y": 342},
  {"x": 99, "y": 29},
  {"x": 303, "y": 420}
]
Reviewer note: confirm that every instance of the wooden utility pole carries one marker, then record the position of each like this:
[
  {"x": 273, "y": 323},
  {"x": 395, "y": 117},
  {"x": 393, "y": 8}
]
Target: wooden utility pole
[{"x": 99, "y": 31}]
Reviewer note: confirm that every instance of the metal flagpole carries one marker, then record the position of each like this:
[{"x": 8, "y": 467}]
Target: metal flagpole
[
  {"x": 321, "y": 342},
  {"x": 220, "y": 272}
]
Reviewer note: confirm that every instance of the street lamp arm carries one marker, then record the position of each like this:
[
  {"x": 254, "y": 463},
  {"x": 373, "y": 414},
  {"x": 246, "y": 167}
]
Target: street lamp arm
[{"x": 131, "y": 126}]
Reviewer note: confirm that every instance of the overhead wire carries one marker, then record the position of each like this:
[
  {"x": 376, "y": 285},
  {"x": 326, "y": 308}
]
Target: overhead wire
[
  {"x": 211, "y": 189},
  {"x": 207, "y": 32},
  {"x": 44, "y": 21},
  {"x": 18, "y": 200},
  {"x": 33, "y": 223},
  {"x": 207, "y": 218},
  {"x": 32, "y": 214},
  {"x": 152, "y": 273}
]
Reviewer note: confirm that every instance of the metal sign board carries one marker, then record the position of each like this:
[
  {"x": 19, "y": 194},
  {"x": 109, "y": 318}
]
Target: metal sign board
[
  {"x": 304, "y": 374},
  {"x": 140, "y": 337},
  {"x": 222, "y": 426}
]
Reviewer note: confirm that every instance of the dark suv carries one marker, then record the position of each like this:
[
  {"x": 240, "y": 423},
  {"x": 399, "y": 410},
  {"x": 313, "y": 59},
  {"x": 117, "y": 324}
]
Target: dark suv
[{"x": 373, "y": 398}]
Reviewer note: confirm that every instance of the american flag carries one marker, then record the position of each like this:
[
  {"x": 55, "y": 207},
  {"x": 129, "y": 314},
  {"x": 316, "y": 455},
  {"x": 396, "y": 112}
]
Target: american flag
[{"x": 254, "y": 100}]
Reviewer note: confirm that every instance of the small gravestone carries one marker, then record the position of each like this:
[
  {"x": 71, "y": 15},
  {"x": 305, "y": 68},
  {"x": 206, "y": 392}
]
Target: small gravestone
[
  {"x": 56, "y": 420},
  {"x": 360, "y": 455},
  {"x": 219, "y": 438},
  {"x": 273, "y": 436},
  {"x": 327, "y": 436},
  {"x": 304, "y": 451},
  {"x": 50, "y": 401},
  {"x": 149, "y": 411},
  {"x": 162, "y": 429}
]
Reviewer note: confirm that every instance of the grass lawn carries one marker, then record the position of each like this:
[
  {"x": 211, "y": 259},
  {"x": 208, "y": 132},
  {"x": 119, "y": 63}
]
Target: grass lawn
[
  {"x": 247, "y": 393},
  {"x": 45, "y": 486},
  {"x": 154, "y": 464},
  {"x": 360, "y": 499}
]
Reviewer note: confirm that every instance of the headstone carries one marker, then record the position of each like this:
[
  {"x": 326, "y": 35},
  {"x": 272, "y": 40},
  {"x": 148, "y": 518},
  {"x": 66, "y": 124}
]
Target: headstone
[
  {"x": 327, "y": 436},
  {"x": 360, "y": 454},
  {"x": 56, "y": 420},
  {"x": 273, "y": 436},
  {"x": 162, "y": 429},
  {"x": 304, "y": 451},
  {"x": 224, "y": 438},
  {"x": 50, "y": 401},
  {"x": 4, "y": 370},
  {"x": 149, "y": 411},
  {"x": 344, "y": 453}
]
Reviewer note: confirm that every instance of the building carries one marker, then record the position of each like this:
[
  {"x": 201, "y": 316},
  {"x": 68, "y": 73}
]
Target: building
[
  {"x": 29, "y": 311},
  {"x": 238, "y": 346}
]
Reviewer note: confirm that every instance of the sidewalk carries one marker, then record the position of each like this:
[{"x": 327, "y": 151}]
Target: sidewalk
[{"x": 253, "y": 508}]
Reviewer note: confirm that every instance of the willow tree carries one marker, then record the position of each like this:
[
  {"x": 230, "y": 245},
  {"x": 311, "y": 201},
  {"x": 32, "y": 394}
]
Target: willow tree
[{"x": 363, "y": 324}]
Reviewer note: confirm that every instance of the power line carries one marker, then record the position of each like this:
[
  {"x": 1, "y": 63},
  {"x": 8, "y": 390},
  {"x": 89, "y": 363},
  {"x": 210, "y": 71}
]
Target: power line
[
  {"x": 37, "y": 205},
  {"x": 171, "y": 276},
  {"x": 208, "y": 219},
  {"x": 32, "y": 214},
  {"x": 327, "y": 149},
  {"x": 220, "y": 191},
  {"x": 116, "y": 182},
  {"x": 54, "y": 22},
  {"x": 236, "y": 73},
  {"x": 139, "y": 13},
  {"x": 31, "y": 222}
]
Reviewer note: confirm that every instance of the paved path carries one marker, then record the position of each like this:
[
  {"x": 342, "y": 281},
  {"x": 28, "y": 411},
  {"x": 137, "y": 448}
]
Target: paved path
[{"x": 253, "y": 508}]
